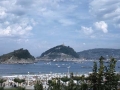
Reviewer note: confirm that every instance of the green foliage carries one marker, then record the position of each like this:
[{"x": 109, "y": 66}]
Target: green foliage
[
  {"x": 84, "y": 86},
  {"x": 17, "y": 54},
  {"x": 20, "y": 54},
  {"x": 104, "y": 77},
  {"x": 60, "y": 49},
  {"x": 95, "y": 68},
  {"x": 54, "y": 84},
  {"x": 38, "y": 85},
  {"x": 18, "y": 88},
  {"x": 110, "y": 76},
  {"x": 77, "y": 78},
  {"x": 1, "y": 81},
  {"x": 1, "y": 88},
  {"x": 65, "y": 79},
  {"x": 17, "y": 80}
]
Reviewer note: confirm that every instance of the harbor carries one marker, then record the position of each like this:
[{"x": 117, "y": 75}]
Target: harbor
[{"x": 45, "y": 71}]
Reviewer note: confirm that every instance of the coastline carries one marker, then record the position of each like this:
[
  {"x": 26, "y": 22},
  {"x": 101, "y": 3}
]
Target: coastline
[
  {"x": 31, "y": 79},
  {"x": 63, "y": 59}
]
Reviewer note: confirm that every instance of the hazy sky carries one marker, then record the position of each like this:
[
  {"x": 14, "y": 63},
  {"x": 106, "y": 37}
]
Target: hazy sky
[{"x": 38, "y": 25}]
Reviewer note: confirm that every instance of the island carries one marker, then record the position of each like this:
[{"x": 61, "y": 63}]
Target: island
[{"x": 17, "y": 56}]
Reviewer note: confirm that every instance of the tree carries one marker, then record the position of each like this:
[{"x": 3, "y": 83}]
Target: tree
[
  {"x": 111, "y": 79},
  {"x": 19, "y": 81},
  {"x": 84, "y": 86},
  {"x": 71, "y": 84},
  {"x": 65, "y": 79},
  {"x": 104, "y": 78},
  {"x": 38, "y": 85},
  {"x": 50, "y": 84},
  {"x": 95, "y": 68},
  {"x": 93, "y": 77},
  {"x": 77, "y": 78},
  {"x": 100, "y": 73},
  {"x": 1, "y": 81}
]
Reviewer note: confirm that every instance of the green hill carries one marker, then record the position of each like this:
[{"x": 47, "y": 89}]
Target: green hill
[
  {"x": 96, "y": 53},
  {"x": 59, "y": 51},
  {"x": 17, "y": 56}
]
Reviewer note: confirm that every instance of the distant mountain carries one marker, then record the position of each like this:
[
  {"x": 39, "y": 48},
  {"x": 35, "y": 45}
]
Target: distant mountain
[
  {"x": 17, "y": 56},
  {"x": 59, "y": 52},
  {"x": 96, "y": 53}
]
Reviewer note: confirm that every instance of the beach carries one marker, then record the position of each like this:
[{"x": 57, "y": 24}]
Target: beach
[{"x": 30, "y": 79}]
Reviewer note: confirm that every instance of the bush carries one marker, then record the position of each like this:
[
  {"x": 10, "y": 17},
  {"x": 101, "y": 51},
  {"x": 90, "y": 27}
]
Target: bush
[
  {"x": 38, "y": 86},
  {"x": 20, "y": 88},
  {"x": 1, "y": 88}
]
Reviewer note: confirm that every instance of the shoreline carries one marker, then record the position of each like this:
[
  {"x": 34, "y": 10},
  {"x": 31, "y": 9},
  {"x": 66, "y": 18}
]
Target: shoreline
[
  {"x": 51, "y": 60},
  {"x": 30, "y": 79}
]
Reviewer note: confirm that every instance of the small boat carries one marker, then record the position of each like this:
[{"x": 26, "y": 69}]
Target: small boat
[{"x": 54, "y": 60}]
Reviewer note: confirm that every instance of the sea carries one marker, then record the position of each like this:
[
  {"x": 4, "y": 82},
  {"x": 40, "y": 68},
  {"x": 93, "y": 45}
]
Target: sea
[{"x": 46, "y": 67}]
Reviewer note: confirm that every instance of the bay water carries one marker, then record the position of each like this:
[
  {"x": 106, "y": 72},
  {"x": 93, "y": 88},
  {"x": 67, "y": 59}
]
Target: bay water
[{"x": 45, "y": 67}]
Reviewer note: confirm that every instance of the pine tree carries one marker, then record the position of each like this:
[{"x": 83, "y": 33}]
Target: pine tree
[
  {"x": 38, "y": 85},
  {"x": 110, "y": 76}
]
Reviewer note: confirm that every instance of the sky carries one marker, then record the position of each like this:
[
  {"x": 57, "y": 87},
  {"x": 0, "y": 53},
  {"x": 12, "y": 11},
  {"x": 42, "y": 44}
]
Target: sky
[{"x": 38, "y": 25}]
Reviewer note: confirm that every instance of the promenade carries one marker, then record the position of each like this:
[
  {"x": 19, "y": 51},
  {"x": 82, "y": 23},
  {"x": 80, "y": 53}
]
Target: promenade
[{"x": 30, "y": 79}]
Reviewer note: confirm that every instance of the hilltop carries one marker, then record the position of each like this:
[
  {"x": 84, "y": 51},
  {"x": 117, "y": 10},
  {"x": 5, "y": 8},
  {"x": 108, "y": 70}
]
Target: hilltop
[
  {"x": 96, "y": 53},
  {"x": 62, "y": 52},
  {"x": 59, "y": 52},
  {"x": 17, "y": 56}
]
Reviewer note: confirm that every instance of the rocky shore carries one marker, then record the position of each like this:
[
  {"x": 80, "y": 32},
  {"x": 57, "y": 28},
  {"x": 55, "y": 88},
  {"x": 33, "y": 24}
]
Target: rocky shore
[{"x": 18, "y": 61}]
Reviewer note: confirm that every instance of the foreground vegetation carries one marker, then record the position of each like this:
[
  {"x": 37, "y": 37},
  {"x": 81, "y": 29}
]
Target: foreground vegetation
[
  {"x": 103, "y": 77},
  {"x": 18, "y": 88}
]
